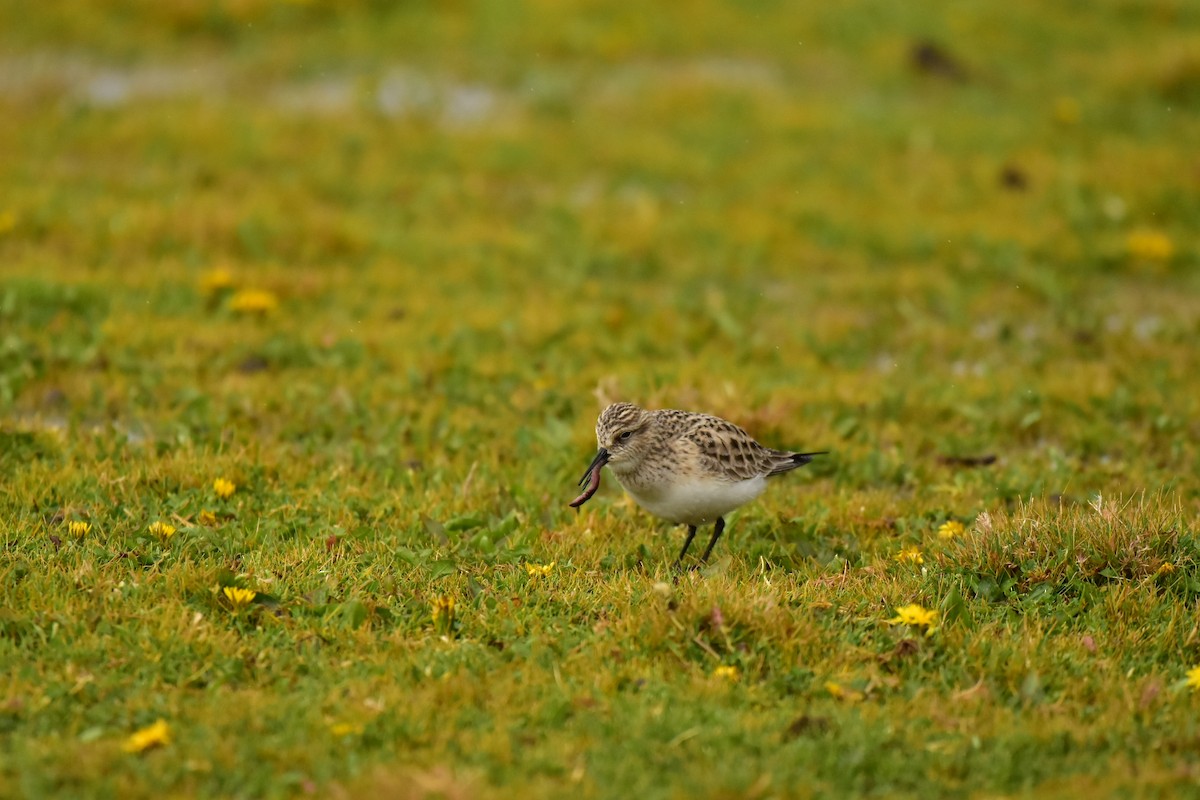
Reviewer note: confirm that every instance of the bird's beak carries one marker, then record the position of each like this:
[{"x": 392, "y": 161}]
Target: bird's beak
[{"x": 599, "y": 461}]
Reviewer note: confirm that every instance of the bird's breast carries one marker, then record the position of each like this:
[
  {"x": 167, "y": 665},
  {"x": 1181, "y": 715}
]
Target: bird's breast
[{"x": 691, "y": 500}]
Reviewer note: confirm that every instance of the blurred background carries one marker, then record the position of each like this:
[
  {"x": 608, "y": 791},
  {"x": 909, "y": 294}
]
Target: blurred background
[{"x": 414, "y": 236}]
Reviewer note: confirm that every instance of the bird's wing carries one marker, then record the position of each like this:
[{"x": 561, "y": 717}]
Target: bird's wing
[{"x": 727, "y": 452}]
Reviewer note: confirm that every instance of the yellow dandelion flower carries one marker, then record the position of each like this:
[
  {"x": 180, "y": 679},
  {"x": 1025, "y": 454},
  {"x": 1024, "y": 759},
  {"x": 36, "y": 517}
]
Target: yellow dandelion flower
[
  {"x": 162, "y": 529},
  {"x": 1166, "y": 568},
  {"x": 914, "y": 614},
  {"x": 1067, "y": 111},
  {"x": 224, "y": 488},
  {"x": 1193, "y": 678},
  {"x": 910, "y": 555},
  {"x": 207, "y": 518},
  {"x": 728, "y": 672},
  {"x": 345, "y": 729},
  {"x": 238, "y": 597},
  {"x": 217, "y": 280},
  {"x": 839, "y": 692},
  {"x": 443, "y": 614},
  {"x": 253, "y": 301},
  {"x": 154, "y": 735},
  {"x": 443, "y": 607},
  {"x": 950, "y": 529},
  {"x": 77, "y": 528},
  {"x": 540, "y": 570},
  {"x": 1146, "y": 244}
]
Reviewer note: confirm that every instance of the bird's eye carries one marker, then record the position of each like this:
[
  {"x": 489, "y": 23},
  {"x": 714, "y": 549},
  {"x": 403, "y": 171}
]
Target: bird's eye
[{"x": 624, "y": 437}]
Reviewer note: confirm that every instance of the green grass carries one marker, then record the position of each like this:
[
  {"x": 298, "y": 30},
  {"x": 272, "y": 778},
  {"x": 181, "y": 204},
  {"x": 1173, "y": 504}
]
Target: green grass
[{"x": 482, "y": 220}]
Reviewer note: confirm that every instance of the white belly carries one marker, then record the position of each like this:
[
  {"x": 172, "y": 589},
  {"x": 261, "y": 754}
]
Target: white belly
[{"x": 695, "y": 502}]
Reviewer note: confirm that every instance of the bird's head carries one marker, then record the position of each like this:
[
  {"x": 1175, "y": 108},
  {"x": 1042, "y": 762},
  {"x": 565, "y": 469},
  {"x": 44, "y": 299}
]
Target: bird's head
[{"x": 622, "y": 434}]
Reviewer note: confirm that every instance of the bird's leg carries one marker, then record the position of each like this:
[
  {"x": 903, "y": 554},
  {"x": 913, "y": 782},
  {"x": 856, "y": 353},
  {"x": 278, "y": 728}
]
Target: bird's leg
[
  {"x": 718, "y": 529},
  {"x": 688, "y": 543}
]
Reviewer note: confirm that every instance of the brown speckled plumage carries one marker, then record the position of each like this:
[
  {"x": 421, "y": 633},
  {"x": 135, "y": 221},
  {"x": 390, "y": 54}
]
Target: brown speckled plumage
[
  {"x": 693, "y": 443},
  {"x": 686, "y": 467}
]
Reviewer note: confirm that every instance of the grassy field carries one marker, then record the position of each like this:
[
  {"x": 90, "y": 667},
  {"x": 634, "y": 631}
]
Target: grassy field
[{"x": 334, "y": 297}]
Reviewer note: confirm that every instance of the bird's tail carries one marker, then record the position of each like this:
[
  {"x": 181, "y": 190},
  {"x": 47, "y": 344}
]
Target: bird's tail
[{"x": 787, "y": 462}]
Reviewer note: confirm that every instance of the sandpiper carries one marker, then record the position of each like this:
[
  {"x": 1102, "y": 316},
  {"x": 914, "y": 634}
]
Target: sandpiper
[{"x": 684, "y": 467}]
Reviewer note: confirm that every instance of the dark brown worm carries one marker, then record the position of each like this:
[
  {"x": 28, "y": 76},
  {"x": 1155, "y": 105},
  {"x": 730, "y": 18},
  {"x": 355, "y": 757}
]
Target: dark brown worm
[{"x": 592, "y": 486}]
